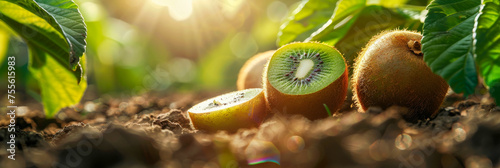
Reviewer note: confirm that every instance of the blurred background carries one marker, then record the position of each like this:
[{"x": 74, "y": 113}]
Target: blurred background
[{"x": 140, "y": 46}]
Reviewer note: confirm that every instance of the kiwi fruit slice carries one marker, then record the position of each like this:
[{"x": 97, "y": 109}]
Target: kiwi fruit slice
[
  {"x": 308, "y": 78},
  {"x": 391, "y": 71},
  {"x": 250, "y": 75},
  {"x": 230, "y": 112}
]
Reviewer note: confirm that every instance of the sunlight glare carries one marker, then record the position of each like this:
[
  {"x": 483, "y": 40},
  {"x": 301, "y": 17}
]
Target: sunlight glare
[
  {"x": 91, "y": 11},
  {"x": 178, "y": 9},
  {"x": 230, "y": 7}
]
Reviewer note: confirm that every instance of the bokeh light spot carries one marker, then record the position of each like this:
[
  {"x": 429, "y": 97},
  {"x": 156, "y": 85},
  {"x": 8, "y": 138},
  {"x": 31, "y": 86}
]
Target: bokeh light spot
[
  {"x": 295, "y": 143},
  {"x": 243, "y": 45},
  {"x": 91, "y": 11},
  {"x": 277, "y": 11},
  {"x": 478, "y": 162},
  {"x": 459, "y": 133},
  {"x": 403, "y": 141},
  {"x": 259, "y": 151},
  {"x": 182, "y": 69},
  {"x": 106, "y": 52},
  {"x": 157, "y": 79}
]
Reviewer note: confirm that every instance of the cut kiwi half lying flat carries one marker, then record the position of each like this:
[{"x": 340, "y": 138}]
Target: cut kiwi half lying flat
[
  {"x": 230, "y": 112},
  {"x": 306, "y": 78}
]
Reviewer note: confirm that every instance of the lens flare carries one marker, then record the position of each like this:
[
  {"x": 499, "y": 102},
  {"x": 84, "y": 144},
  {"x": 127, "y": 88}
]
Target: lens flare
[
  {"x": 259, "y": 151},
  {"x": 403, "y": 141},
  {"x": 295, "y": 143}
]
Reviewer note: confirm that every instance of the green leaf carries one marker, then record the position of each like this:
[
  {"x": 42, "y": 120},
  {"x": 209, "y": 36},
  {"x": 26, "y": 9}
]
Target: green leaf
[
  {"x": 488, "y": 47},
  {"x": 67, "y": 16},
  {"x": 447, "y": 42},
  {"x": 410, "y": 11},
  {"x": 333, "y": 21},
  {"x": 387, "y": 4},
  {"x": 4, "y": 44},
  {"x": 55, "y": 26},
  {"x": 337, "y": 26},
  {"x": 306, "y": 19},
  {"x": 371, "y": 21},
  {"x": 59, "y": 87},
  {"x": 34, "y": 29},
  {"x": 55, "y": 33}
]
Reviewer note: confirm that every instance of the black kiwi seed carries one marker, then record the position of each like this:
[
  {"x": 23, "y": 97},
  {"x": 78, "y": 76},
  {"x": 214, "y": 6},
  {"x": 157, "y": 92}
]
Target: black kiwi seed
[{"x": 287, "y": 74}]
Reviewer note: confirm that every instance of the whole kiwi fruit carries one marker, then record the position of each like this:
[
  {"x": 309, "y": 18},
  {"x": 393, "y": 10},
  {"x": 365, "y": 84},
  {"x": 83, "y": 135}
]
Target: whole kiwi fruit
[
  {"x": 306, "y": 78},
  {"x": 391, "y": 71},
  {"x": 250, "y": 75}
]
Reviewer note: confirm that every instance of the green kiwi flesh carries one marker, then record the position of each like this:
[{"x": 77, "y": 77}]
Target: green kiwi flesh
[
  {"x": 308, "y": 79},
  {"x": 304, "y": 68},
  {"x": 231, "y": 111}
]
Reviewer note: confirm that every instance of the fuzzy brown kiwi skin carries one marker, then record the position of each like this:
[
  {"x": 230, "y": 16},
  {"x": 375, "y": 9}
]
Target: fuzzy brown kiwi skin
[
  {"x": 250, "y": 75},
  {"x": 310, "y": 105},
  {"x": 389, "y": 72}
]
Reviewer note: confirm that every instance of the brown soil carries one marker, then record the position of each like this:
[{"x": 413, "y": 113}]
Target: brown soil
[{"x": 154, "y": 131}]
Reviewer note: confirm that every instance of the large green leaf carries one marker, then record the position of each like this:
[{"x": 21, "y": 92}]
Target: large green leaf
[
  {"x": 55, "y": 26},
  {"x": 488, "y": 47},
  {"x": 346, "y": 14},
  {"x": 333, "y": 21},
  {"x": 336, "y": 27},
  {"x": 67, "y": 16},
  {"x": 306, "y": 19},
  {"x": 447, "y": 42},
  {"x": 55, "y": 33},
  {"x": 59, "y": 87},
  {"x": 35, "y": 29},
  {"x": 371, "y": 21}
]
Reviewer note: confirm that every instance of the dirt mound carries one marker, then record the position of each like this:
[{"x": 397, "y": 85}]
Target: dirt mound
[{"x": 150, "y": 131}]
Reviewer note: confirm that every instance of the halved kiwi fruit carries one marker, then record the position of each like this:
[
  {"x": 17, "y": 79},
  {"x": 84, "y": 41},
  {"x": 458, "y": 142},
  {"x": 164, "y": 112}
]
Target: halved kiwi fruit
[
  {"x": 306, "y": 78},
  {"x": 391, "y": 71},
  {"x": 230, "y": 112},
  {"x": 250, "y": 75}
]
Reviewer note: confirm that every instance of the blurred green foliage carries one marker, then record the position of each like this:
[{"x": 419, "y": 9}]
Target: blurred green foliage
[
  {"x": 140, "y": 46},
  {"x": 135, "y": 47}
]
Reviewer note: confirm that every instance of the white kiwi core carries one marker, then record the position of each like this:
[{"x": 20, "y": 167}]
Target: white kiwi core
[{"x": 304, "y": 67}]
